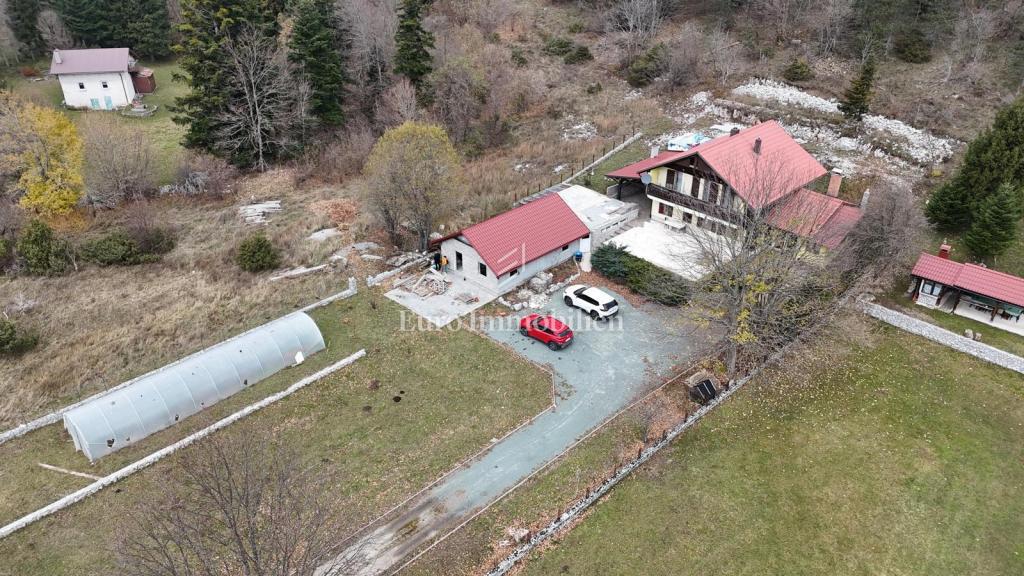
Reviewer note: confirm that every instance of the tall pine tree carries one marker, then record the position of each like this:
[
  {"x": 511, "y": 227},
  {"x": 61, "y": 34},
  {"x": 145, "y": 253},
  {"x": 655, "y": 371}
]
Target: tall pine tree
[
  {"x": 995, "y": 157},
  {"x": 92, "y": 23},
  {"x": 318, "y": 45},
  {"x": 413, "y": 42},
  {"x": 23, "y": 15},
  {"x": 994, "y": 228},
  {"x": 857, "y": 97},
  {"x": 206, "y": 25}
]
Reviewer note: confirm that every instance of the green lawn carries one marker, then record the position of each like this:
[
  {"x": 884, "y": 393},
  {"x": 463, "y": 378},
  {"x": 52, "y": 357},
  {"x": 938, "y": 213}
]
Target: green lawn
[
  {"x": 376, "y": 450},
  {"x": 900, "y": 457},
  {"x": 1008, "y": 341},
  {"x": 163, "y": 134}
]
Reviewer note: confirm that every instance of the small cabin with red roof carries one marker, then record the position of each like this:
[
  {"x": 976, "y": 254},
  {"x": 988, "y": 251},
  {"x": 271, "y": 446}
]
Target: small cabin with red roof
[
  {"x": 716, "y": 184},
  {"x": 968, "y": 290},
  {"x": 505, "y": 251}
]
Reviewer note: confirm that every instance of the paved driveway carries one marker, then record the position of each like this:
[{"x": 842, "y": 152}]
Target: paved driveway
[{"x": 607, "y": 366}]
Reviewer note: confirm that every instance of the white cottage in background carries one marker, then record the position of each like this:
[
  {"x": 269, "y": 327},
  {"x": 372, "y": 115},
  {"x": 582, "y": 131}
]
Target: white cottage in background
[{"x": 97, "y": 79}]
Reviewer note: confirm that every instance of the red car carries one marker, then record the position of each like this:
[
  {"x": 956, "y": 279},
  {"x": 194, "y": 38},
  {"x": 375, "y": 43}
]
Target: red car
[{"x": 547, "y": 329}]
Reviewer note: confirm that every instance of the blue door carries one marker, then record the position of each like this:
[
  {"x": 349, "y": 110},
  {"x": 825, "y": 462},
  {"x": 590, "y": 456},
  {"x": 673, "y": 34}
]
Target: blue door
[
  {"x": 108, "y": 103},
  {"x": 94, "y": 103}
]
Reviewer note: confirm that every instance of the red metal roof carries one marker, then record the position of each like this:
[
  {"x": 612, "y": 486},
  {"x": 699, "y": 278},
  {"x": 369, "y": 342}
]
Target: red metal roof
[
  {"x": 760, "y": 179},
  {"x": 825, "y": 219},
  {"x": 972, "y": 278},
  {"x": 525, "y": 233},
  {"x": 91, "y": 60}
]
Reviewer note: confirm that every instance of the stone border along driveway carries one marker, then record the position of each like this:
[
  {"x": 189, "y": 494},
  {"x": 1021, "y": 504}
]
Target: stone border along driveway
[
  {"x": 943, "y": 336},
  {"x": 599, "y": 375}
]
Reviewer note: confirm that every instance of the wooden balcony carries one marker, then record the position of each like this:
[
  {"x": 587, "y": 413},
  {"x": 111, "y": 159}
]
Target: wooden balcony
[{"x": 695, "y": 204}]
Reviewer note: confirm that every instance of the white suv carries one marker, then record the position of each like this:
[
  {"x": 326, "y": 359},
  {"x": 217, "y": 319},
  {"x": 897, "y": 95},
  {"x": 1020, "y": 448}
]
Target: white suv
[{"x": 598, "y": 303}]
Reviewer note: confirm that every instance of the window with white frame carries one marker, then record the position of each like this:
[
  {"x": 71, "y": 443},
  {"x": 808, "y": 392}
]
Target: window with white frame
[
  {"x": 665, "y": 209},
  {"x": 931, "y": 288}
]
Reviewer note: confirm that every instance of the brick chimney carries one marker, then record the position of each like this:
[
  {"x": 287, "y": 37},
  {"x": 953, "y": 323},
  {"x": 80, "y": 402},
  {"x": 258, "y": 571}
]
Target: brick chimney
[
  {"x": 944, "y": 251},
  {"x": 56, "y": 56},
  {"x": 835, "y": 180}
]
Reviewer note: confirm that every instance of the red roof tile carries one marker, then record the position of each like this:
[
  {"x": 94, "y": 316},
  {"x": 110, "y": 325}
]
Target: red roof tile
[
  {"x": 760, "y": 179},
  {"x": 91, "y": 60},
  {"x": 832, "y": 234},
  {"x": 972, "y": 278},
  {"x": 810, "y": 214},
  {"x": 941, "y": 270},
  {"x": 525, "y": 233},
  {"x": 992, "y": 283}
]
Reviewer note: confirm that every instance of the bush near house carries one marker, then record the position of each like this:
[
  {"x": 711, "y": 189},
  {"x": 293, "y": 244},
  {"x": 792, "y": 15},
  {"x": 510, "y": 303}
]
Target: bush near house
[
  {"x": 640, "y": 275},
  {"x": 256, "y": 254},
  {"x": 13, "y": 340}
]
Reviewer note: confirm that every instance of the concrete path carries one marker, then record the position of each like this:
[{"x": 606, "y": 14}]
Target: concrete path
[
  {"x": 607, "y": 366},
  {"x": 944, "y": 337}
]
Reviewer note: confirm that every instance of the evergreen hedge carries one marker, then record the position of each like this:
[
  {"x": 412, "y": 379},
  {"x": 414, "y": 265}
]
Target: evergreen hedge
[{"x": 640, "y": 276}]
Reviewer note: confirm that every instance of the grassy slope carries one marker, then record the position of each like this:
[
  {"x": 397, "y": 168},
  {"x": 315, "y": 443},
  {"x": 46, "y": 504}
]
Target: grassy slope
[
  {"x": 453, "y": 404},
  {"x": 903, "y": 458},
  {"x": 164, "y": 134}
]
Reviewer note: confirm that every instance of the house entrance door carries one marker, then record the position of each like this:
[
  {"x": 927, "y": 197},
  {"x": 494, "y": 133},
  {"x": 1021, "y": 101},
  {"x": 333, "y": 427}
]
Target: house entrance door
[
  {"x": 108, "y": 103},
  {"x": 94, "y": 103},
  {"x": 458, "y": 260}
]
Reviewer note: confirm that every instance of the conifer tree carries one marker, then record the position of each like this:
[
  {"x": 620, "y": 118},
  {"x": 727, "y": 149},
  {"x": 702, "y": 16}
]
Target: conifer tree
[
  {"x": 994, "y": 157},
  {"x": 91, "y": 22},
  {"x": 23, "y": 15},
  {"x": 857, "y": 97},
  {"x": 318, "y": 44},
  {"x": 994, "y": 228},
  {"x": 412, "y": 58}
]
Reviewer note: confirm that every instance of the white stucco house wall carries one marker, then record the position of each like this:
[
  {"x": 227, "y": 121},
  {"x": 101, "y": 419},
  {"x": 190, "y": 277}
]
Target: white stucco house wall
[
  {"x": 503, "y": 252},
  {"x": 95, "y": 79}
]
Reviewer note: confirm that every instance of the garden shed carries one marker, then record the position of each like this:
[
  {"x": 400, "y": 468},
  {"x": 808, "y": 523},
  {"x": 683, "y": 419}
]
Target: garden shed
[{"x": 161, "y": 398}]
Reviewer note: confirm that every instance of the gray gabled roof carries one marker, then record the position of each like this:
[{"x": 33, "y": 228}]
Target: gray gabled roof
[{"x": 90, "y": 61}]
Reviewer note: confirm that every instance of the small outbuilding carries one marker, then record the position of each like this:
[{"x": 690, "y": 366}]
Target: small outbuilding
[
  {"x": 503, "y": 252},
  {"x": 96, "y": 78}
]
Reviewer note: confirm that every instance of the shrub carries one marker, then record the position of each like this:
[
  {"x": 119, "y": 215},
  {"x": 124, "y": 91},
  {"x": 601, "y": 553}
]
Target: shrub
[
  {"x": 640, "y": 275},
  {"x": 578, "y": 54},
  {"x": 594, "y": 88},
  {"x": 913, "y": 47},
  {"x": 558, "y": 46},
  {"x": 519, "y": 58},
  {"x": 121, "y": 248},
  {"x": 256, "y": 254},
  {"x": 575, "y": 27},
  {"x": 202, "y": 175},
  {"x": 42, "y": 253},
  {"x": 13, "y": 340},
  {"x": 798, "y": 71},
  {"x": 6, "y": 252},
  {"x": 646, "y": 68}
]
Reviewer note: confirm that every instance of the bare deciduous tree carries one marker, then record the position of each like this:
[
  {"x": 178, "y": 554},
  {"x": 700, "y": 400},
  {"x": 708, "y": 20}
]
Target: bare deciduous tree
[
  {"x": 637, "y": 23},
  {"x": 722, "y": 54},
  {"x": 829, "y": 22},
  {"x": 398, "y": 104},
  {"x": 9, "y": 45},
  {"x": 118, "y": 161},
  {"x": 269, "y": 115},
  {"x": 372, "y": 25},
  {"x": 887, "y": 236},
  {"x": 237, "y": 504},
  {"x": 683, "y": 63},
  {"x": 760, "y": 283},
  {"x": 459, "y": 92},
  {"x": 55, "y": 34}
]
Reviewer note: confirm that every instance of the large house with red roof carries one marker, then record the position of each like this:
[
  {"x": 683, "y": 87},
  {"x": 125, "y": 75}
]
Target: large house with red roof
[
  {"x": 502, "y": 252},
  {"x": 943, "y": 283},
  {"x": 718, "y": 184}
]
